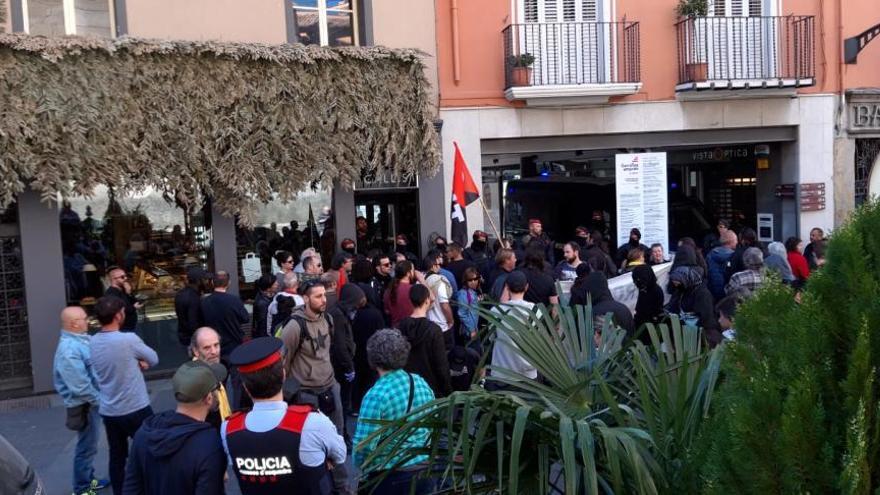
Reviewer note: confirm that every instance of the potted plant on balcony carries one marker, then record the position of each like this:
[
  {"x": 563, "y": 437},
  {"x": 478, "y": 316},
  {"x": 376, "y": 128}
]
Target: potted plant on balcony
[
  {"x": 521, "y": 69},
  {"x": 696, "y": 66}
]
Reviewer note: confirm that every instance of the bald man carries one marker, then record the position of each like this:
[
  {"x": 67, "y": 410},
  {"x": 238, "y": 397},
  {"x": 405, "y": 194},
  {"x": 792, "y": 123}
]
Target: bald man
[
  {"x": 77, "y": 386},
  {"x": 205, "y": 346}
]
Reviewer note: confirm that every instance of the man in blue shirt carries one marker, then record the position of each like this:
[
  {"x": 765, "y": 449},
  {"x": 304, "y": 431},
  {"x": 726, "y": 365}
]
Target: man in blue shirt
[{"x": 78, "y": 387}]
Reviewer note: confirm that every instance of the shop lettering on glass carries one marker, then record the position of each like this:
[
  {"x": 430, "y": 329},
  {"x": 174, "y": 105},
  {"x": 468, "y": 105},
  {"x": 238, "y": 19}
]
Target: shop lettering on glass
[
  {"x": 384, "y": 180},
  {"x": 866, "y": 116},
  {"x": 720, "y": 154}
]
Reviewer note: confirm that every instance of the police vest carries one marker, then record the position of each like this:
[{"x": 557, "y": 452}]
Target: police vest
[{"x": 268, "y": 463}]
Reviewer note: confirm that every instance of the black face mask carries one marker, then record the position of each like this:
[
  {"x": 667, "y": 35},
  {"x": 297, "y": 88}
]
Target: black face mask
[
  {"x": 349, "y": 250},
  {"x": 441, "y": 247},
  {"x": 581, "y": 241},
  {"x": 478, "y": 245},
  {"x": 401, "y": 248},
  {"x": 634, "y": 242}
]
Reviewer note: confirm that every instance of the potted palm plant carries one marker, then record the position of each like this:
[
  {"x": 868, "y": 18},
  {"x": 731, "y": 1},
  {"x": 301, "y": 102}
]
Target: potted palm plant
[
  {"x": 611, "y": 415},
  {"x": 521, "y": 69},
  {"x": 696, "y": 65}
]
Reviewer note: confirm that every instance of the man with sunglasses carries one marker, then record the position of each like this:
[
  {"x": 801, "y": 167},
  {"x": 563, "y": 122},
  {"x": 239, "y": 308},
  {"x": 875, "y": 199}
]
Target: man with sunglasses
[
  {"x": 120, "y": 288},
  {"x": 307, "y": 341}
]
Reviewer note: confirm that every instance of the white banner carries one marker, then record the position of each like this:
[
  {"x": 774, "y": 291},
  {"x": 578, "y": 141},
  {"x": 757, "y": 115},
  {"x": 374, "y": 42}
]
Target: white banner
[{"x": 642, "y": 201}]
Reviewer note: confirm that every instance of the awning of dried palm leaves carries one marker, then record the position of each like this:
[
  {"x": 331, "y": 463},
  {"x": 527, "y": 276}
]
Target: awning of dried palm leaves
[{"x": 237, "y": 122}]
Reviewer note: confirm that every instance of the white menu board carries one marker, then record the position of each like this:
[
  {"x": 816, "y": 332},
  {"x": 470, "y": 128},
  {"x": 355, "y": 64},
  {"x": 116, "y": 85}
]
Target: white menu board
[{"x": 642, "y": 198}]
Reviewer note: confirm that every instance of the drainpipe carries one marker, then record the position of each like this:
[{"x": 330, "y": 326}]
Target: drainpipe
[{"x": 456, "y": 54}]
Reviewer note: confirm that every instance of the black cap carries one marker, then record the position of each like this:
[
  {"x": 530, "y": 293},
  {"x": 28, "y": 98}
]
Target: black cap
[{"x": 256, "y": 354}]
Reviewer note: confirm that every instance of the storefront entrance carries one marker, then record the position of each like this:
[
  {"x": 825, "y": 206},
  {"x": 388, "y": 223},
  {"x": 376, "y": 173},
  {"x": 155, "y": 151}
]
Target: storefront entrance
[
  {"x": 15, "y": 351},
  {"x": 383, "y": 215},
  {"x": 704, "y": 185}
]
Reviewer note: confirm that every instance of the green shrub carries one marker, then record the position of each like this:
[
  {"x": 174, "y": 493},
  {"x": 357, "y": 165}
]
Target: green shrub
[{"x": 798, "y": 409}]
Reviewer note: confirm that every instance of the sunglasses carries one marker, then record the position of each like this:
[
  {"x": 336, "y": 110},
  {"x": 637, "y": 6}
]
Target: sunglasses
[
  {"x": 387, "y": 263},
  {"x": 473, "y": 280}
]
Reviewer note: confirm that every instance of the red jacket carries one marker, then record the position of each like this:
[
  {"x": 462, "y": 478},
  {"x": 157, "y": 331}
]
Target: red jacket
[{"x": 799, "y": 267}]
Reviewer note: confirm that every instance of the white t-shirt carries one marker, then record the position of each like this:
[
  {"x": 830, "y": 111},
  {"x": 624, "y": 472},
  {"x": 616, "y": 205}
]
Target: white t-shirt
[
  {"x": 506, "y": 354},
  {"x": 440, "y": 287}
]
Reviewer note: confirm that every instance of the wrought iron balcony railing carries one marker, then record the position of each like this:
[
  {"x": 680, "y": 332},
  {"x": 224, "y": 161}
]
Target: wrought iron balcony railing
[
  {"x": 571, "y": 53},
  {"x": 725, "y": 52}
]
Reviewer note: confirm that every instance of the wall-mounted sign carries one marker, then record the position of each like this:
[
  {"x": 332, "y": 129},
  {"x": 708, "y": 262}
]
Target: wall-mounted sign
[
  {"x": 642, "y": 201},
  {"x": 786, "y": 190},
  {"x": 721, "y": 154},
  {"x": 812, "y": 196},
  {"x": 864, "y": 111}
]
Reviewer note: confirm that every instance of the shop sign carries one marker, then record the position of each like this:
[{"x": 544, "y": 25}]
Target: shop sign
[
  {"x": 642, "y": 202},
  {"x": 384, "y": 180},
  {"x": 864, "y": 111},
  {"x": 786, "y": 190},
  {"x": 720, "y": 154},
  {"x": 812, "y": 196}
]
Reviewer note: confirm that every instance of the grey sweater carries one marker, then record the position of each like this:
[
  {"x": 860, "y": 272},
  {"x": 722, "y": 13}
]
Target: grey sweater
[{"x": 121, "y": 383}]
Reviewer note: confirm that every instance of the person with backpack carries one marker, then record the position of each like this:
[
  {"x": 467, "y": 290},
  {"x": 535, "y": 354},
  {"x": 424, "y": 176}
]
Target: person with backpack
[{"x": 307, "y": 338}]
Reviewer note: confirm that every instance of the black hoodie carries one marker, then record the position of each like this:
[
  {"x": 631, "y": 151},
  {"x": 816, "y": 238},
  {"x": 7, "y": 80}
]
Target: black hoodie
[
  {"x": 649, "y": 306},
  {"x": 173, "y": 453},
  {"x": 596, "y": 285},
  {"x": 427, "y": 356}
]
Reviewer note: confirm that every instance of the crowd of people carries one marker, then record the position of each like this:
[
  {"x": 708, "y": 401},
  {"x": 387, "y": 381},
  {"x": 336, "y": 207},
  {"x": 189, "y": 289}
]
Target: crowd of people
[{"x": 273, "y": 392}]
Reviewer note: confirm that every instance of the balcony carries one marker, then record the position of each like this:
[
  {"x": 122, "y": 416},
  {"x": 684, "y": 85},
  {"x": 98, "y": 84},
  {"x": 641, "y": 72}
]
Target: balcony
[
  {"x": 768, "y": 56},
  {"x": 571, "y": 63}
]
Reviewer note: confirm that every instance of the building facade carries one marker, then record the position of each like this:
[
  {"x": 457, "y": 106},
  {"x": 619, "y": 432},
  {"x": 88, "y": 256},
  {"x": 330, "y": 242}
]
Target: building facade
[
  {"x": 752, "y": 101},
  {"x": 56, "y": 254}
]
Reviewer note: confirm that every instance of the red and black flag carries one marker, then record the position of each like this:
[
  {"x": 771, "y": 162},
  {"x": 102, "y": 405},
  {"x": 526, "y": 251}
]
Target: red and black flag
[{"x": 464, "y": 192}]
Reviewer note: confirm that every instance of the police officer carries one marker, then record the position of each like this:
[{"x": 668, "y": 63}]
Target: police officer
[{"x": 276, "y": 449}]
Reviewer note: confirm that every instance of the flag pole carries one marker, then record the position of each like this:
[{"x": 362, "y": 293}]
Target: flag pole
[{"x": 492, "y": 223}]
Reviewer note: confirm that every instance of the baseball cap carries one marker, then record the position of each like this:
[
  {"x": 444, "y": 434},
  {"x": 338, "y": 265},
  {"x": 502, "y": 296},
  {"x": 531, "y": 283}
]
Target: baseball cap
[
  {"x": 479, "y": 234},
  {"x": 534, "y": 220},
  {"x": 193, "y": 380}
]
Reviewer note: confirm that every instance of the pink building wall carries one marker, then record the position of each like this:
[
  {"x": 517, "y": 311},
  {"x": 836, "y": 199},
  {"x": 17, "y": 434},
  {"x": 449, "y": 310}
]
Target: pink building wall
[
  {"x": 481, "y": 57},
  {"x": 256, "y": 21}
]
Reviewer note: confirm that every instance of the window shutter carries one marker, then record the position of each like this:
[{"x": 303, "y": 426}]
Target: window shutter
[{"x": 530, "y": 8}]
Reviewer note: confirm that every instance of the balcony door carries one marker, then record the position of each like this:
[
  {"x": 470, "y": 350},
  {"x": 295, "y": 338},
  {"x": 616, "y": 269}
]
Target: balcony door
[
  {"x": 742, "y": 39},
  {"x": 567, "y": 39}
]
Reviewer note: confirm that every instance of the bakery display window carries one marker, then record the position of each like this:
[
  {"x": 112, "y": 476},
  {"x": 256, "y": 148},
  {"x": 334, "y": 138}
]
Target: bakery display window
[{"x": 153, "y": 239}]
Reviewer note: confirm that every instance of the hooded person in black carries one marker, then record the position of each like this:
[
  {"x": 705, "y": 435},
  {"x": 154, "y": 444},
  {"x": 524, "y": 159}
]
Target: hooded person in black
[
  {"x": 649, "y": 306},
  {"x": 427, "y": 355},
  {"x": 596, "y": 286},
  {"x": 177, "y": 451},
  {"x": 692, "y": 301},
  {"x": 342, "y": 346},
  {"x": 635, "y": 242},
  {"x": 367, "y": 321}
]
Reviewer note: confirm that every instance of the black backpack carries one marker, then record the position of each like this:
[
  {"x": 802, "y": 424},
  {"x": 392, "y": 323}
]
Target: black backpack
[{"x": 463, "y": 362}]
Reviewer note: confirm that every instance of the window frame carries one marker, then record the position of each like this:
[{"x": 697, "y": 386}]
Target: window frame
[
  {"x": 323, "y": 27},
  {"x": 69, "y": 13}
]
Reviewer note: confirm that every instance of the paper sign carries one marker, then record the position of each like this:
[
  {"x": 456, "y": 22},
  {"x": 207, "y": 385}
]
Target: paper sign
[{"x": 642, "y": 198}]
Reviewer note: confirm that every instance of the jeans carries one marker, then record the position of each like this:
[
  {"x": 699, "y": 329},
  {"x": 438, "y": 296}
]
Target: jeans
[
  {"x": 86, "y": 448},
  {"x": 119, "y": 430}
]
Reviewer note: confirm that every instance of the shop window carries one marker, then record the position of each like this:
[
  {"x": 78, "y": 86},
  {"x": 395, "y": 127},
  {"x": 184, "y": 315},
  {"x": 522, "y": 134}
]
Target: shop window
[
  {"x": 326, "y": 22},
  {"x": 15, "y": 350},
  {"x": 154, "y": 241},
  {"x": 64, "y": 17},
  {"x": 291, "y": 226}
]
